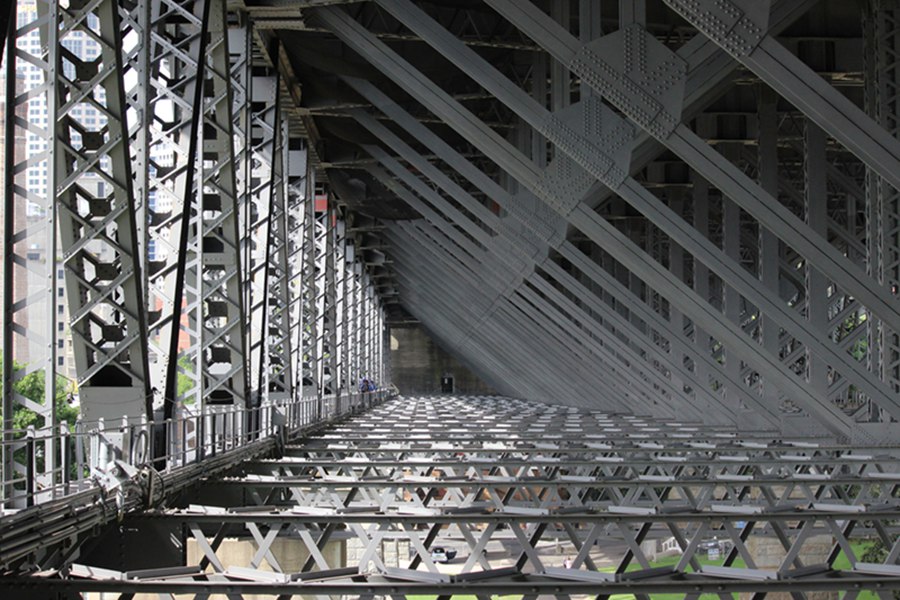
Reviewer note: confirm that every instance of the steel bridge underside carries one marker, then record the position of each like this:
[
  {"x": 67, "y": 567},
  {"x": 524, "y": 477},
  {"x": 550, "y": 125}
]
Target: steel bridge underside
[
  {"x": 665, "y": 232},
  {"x": 663, "y": 208}
]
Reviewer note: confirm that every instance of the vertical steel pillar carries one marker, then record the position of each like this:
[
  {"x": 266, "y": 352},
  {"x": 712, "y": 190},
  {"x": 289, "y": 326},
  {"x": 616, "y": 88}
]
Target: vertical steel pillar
[
  {"x": 264, "y": 123},
  {"x": 10, "y": 115},
  {"x": 328, "y": 314},
  {"x": 31, "y": 278},
  {"x": 222, "y": 329},
  {"x": 354, "y": 319},
  {"x": 177, "y": 45},
  {"x": 341, "y": 324},
  {"x": 241, "y": 67},
  {"x": 96, "y": 216},
  {"x": 311, "y": 341},
  {"x": 278, "y": 371},
  {"x": 298, "y": 208}
]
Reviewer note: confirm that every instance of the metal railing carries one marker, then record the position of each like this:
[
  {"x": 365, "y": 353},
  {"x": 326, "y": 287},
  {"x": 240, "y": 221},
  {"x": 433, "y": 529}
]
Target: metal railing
[{"x": 86, "y": 456}]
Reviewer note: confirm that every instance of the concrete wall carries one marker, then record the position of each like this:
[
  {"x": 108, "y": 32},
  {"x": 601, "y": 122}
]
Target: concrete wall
[{"x": 417, "y": 364}]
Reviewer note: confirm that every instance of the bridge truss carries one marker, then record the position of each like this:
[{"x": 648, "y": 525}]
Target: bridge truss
[
  {"x": 677, "y": 210},
  {"x": 165, "y": 245},
  {"x": 533, "y": 500}
]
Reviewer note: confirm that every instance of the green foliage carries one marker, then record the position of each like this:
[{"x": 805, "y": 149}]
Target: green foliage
[
  {"x": 184, "y": 382},
  {"x": 876, "y": 552},
  {"x": 33, "y": 387}
]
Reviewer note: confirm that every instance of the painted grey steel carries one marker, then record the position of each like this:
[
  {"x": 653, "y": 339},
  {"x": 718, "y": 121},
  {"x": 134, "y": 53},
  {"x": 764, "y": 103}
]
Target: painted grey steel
[
  {"x": 525, "y": 331},
  {"x": 536, "y": 216},
  {"x": 633, "y": 193},
  {"x": 471, "y": 205},
  {"x": 739, "y": 28},
  {"x": 587, "y": 221},
  {"x": 495, "y": 477},
  {"x": 660, "y": 116}
]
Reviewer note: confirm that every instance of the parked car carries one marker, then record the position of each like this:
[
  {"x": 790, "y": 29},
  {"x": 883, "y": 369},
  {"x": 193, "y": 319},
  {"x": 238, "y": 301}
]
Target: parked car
[{"x": 442, "y": 555}]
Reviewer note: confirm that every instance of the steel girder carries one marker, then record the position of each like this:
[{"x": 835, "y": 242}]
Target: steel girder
[
  {"x": 264, "y": 129},
  {"x": 691, "y": 149},
  {"x": 193, "y": 172},
  {"x": 309, "y": 332},
  {"x": 745, "y": 39},
  {"x": 547, "y": 226},
  {"x": 29, "y": 220},
  {"x": 295, "y": 224},
  {"x": 495, "y": 276},
  {"x": 222, "y": 343},
  {"x": 743, "y": 281},
  {"x": 522, "y": 332},
  {"x": 514, "y": 487},
  {"x": 98, "y": 235},
  {"x": 658, "y": 111},
  {"x": 460, "y": 118},
  {"x": 525, "y": 244},
  {"x": 175, "y": 40},
  {"x": 270, "y": 294},
  {"x": 544, "y": 228}
]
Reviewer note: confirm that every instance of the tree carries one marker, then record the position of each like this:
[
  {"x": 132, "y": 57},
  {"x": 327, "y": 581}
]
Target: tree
[
  {"x": 185, "y": 381},
  {"x": 33, "y": 386}
]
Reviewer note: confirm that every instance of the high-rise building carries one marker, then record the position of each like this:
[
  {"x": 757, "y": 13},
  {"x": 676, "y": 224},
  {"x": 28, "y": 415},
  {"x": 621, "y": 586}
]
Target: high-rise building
[{"x": 37, "y": 180}]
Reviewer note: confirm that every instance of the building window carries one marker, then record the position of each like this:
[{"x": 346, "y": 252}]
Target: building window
[{"x": 61, "y": 361}]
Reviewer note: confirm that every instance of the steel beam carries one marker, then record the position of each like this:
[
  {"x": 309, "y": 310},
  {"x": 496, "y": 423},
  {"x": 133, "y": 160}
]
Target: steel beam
[
  {"x": 354, "y": 35},
  {"x": 475, "y": 208}
]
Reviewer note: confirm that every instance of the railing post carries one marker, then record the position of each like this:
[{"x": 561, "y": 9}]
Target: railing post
[
  {"x": 79, "y": 450},
  {"x": 64, "y": 455},
  {"x": 200, "y": 436},
  {"x": 126, "y": 449},
  {"x": 212, "y": 438},
  {"x": 184, "y": 440},
  {"x": 98, "y": 448},
  {"x": 30, "y": 466},
  {"x": 171, "y": 431}
]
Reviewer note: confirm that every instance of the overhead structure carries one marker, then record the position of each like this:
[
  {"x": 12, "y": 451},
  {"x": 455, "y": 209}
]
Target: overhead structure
[
  {"x": 664, "y": 208},
  {"x": 631, "y": 206}
]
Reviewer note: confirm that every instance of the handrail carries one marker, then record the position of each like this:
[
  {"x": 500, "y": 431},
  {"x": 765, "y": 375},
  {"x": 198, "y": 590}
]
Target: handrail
[{"x": 97, "y": 454}]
